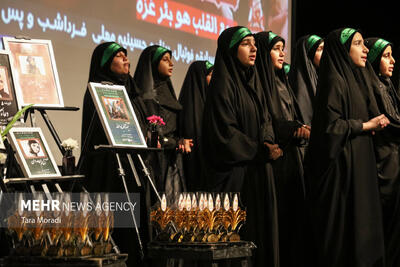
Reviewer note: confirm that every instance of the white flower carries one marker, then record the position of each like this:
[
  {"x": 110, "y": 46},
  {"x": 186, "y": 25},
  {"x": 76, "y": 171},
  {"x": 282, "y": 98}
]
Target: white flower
[
  {"x": 70, "y": 144},
  {"x": 3, "y": 158}
]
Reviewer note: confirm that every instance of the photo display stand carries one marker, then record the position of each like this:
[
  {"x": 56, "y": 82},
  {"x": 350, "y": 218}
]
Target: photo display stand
[
  {"x": 36, "y": 81},
  {"x": 123, "y": 132},
  {"x": 30, "y": 162},
  {"x": 30, "y": 113}
]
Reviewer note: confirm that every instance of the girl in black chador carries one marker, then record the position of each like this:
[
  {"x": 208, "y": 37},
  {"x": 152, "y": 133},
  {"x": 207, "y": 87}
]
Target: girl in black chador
[
  {"x": 110, "y": 63},
  {"x": 152, "y": 75},
  {"x": 238, "y": 141},
  {"x": 344, "y": 193},
  {"x": 290, "y": 134},
  {"x": 304, "y": 73},
  {"x": 387, "y": 144},
  {"x": 192, "y": 98}
]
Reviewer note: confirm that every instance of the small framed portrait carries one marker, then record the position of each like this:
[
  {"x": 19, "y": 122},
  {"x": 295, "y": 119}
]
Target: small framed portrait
[
  {"x": 8, "y": 103},
  {"x": 32, "y": 152},
  {"x": 34, "y": 72},
  {"x": 117, "y": 115}
]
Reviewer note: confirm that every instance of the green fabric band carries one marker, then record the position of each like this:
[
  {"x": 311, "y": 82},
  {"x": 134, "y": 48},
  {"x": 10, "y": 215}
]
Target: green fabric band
[
  {"x": 159, "y": 52},
  {"x": 239, "y": 35},
  {"x": 271, "y": 36},
  {"x": 286, "y": 68},
  {"x": 209, "y": 65},
  {"x": 345, "y": 34},
  {"x": 109, "y": 52},
  {"x": 376, "y": 49},
  {"x": 311, "y": 41}
]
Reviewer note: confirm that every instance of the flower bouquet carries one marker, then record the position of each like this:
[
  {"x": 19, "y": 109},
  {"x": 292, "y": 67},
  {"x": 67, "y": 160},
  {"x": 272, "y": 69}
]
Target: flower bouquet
[{"x": 155, "y": 122}]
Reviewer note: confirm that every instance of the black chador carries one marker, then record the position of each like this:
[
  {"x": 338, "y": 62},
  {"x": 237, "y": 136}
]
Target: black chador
[
  {"x": 100, "y": 167},
  {"x": 387, "y": 150},
  {"x": 344, "y": 196},
  {"x": 288, "y": 169},
  {"x": 160, "y": 99},
  {"x": 303, "y": 75},
  {"x": 192, "y": 98},
  {"x": 236, "y": 124}
]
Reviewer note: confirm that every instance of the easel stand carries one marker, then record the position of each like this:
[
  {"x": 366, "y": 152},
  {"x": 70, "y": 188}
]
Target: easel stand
[
  {"x": 42, "y": 110},
  {"x": 117, "y": 151},
  {"x": 121, "y": 174}
]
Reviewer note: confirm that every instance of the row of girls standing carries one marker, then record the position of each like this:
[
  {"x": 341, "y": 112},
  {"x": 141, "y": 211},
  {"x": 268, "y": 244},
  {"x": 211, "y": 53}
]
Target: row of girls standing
[
  {"x": 252, "y": 137},
  {"x": 353, "y": 161},
  {"x": 341, "y": 208}
]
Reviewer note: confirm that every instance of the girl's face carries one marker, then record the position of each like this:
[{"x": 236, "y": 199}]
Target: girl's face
[
  {"x": 247, "y": 51},
  {"x": 120, "y": 63},
  {"x": 277, "y": 55},
  {"x": 358, "y": 51},
  {"x": 165, "y": 67},
  {"x": 318, "y": 54},
  {"x": 387, "y": 62}
]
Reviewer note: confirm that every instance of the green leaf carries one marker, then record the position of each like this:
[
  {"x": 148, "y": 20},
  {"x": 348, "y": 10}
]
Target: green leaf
[{"x": 14, "y": 119}]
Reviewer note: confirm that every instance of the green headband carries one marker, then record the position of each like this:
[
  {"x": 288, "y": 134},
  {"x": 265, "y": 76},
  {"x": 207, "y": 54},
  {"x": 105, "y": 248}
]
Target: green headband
[
  {"x": 159, "y": 52},
  {"x": 110, "y": 50},
  {"x": 271, "y": 36},
  {"x": 376, "y": 49},
  {"x": 209, "y": 65},
  {"x": 239, "y": 35},
  {"x": 311, "y": 41},
  {"x": 286, "y": 68},
  {"x": 345, "y": 34}
]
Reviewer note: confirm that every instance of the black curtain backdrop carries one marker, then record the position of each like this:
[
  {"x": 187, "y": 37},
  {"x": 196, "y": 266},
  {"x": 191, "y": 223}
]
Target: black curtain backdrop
[{"x": 374, "y": 19}]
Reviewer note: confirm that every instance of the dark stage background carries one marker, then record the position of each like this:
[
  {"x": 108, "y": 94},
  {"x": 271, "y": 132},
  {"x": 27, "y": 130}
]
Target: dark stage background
[{"x": 379, "y": 19}]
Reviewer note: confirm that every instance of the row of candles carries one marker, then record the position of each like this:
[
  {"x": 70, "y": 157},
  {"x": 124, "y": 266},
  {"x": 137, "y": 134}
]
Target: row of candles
[{"x": 198, "y": 217}]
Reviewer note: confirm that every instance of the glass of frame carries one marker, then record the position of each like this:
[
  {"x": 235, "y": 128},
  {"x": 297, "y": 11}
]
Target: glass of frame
[
  {"x": 34, "y": 72},
  {"x": 117, "y": 115},
  {"x": 32, "y": 152}
]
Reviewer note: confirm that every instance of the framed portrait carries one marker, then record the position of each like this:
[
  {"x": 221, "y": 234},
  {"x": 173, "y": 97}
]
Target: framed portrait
[
  {"x": 32, "y": 152},
  {"x": 8, "y": 101},
  {"x": 34, "y": 72},
  {"x": 117, "y": 115}
]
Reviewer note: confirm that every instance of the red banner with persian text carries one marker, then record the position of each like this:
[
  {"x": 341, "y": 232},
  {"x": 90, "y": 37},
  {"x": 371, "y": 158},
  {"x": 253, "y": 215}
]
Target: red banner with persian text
[{"x": 182, "y": 17}]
